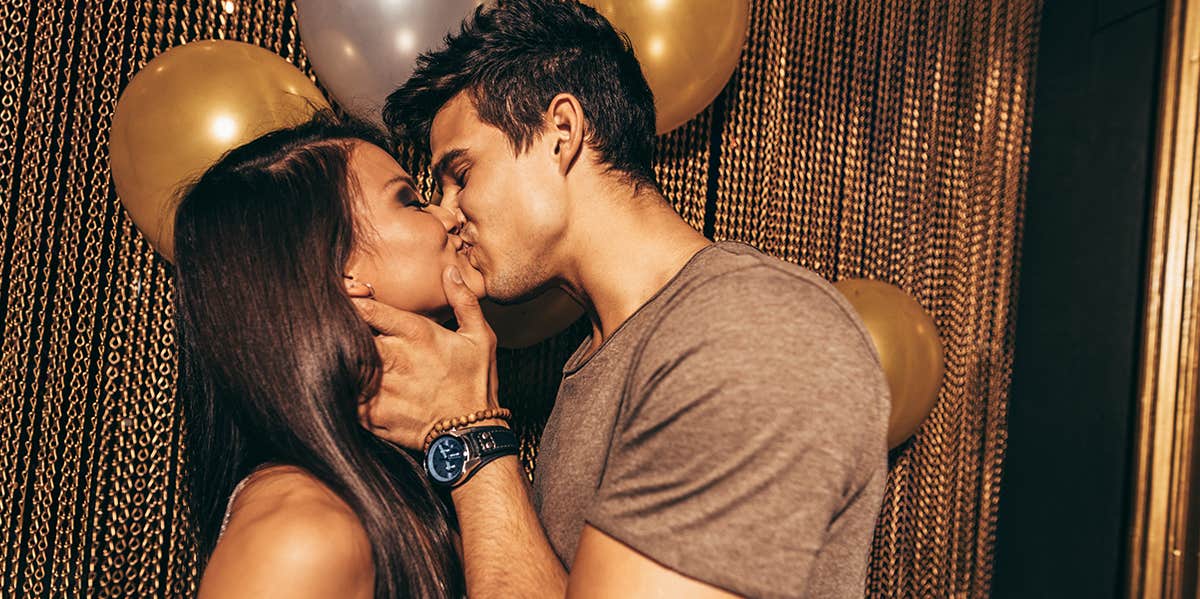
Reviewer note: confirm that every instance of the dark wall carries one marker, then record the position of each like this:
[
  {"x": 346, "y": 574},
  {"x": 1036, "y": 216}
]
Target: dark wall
[{"x": 1064, "y": 500}]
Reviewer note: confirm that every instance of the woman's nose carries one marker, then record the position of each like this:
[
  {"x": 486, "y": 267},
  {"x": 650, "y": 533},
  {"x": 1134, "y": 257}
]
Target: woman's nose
[{"x": 449, "y": 219}]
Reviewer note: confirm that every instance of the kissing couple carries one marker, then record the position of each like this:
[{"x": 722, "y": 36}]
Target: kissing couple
[{"x": 720, "y": 433}]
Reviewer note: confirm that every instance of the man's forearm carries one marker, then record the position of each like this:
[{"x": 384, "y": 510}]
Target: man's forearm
[{"x": 505, "y": 551}]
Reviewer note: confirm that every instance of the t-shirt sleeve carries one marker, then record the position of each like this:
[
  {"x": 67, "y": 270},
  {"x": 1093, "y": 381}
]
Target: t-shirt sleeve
[{"x": 743, "y": 431}]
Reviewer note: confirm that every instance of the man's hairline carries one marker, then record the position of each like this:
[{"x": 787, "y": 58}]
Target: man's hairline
[{"x": 608, "y": 168}]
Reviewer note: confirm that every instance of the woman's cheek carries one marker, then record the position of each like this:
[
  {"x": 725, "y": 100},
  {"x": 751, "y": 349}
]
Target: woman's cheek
[
  {"x": 408, "y": 264},
  {"x": 416, "y": 287}
]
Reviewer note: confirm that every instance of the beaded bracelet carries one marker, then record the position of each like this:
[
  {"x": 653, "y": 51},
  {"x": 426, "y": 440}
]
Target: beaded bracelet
[{"x": 448, "y": 424}]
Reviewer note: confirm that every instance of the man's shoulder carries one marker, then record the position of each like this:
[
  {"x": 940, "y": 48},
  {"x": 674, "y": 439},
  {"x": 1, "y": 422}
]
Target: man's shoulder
[
  {"x": 742, "y": 291},
  {"x": 739, "y": 270}
]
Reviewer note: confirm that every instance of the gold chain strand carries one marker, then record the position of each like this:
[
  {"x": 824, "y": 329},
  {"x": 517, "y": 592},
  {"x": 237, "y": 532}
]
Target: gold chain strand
[
  {"x": 31, "y": 274},
  {"x": 189, "y": 25},
  {"x": 122, "y": 559},
  {"x": 172, "y": 22},
  {"x": 962, "y": 454},
  {"x": 14, "y": 18},
  {"x": 85, "y": 175},
  {"x": 938, "y": 490},
  {"x": 295, "y": 49},
  {"x": 157, "y": 26},
  {"x": 222, "y": 25},
  {"x": 259, "y": 18},
  {"x": 891, "y": 559},
  {"x": 113, "y": 326},
  {"x": 1019, "y": 103},
  {"x": 110, "y": 520},
  {"x": 235, "y": 30},
  {"x": 273, "y": 27},
  {"x": 211, "y": 10},
  {"x": 72, "y": 330}
]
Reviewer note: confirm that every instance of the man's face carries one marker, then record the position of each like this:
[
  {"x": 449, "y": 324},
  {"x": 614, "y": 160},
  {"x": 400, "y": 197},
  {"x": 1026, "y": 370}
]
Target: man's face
[{"x": 510, "y": 206}]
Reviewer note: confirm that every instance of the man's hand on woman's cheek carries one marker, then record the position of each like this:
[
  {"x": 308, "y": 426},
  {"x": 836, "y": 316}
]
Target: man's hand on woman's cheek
[{"x": 429, "y": 372}]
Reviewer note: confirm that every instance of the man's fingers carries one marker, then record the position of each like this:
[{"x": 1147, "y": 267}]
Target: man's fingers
[
  {"x": 390, "y": 321},
  {"x": 370, "y": 413},
  {"x": 466, "y": 306},
  {"x": 398, "y": 355}
]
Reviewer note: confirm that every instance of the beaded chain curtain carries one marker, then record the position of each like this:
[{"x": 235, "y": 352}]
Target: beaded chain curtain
[{"x": 858, "y": 138}]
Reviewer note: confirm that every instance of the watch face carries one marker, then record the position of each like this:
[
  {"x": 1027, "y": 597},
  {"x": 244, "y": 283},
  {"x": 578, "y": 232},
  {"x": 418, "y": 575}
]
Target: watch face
[{"x": 445, "y": 459}]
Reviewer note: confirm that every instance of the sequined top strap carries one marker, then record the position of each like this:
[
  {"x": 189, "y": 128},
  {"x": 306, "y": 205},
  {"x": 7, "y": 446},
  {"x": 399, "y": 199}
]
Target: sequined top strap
[{"x": 233, "y": 495}]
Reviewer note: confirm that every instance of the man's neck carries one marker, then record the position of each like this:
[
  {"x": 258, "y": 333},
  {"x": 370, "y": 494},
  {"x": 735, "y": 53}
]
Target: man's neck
[{"x": 625, "y": 250}]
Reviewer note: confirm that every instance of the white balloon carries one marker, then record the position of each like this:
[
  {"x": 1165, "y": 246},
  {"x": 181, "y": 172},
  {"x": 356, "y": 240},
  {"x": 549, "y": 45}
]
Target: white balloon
[{"x": 362, "y": 50}]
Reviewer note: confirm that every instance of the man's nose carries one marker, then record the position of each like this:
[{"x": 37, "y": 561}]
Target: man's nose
[
  {"x": 449, "y": 219},
  {"x": 450, "y": 204}
]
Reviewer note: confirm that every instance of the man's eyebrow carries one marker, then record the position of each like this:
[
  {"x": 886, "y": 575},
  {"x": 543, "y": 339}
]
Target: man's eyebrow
[{"x": 447, "y": 160}]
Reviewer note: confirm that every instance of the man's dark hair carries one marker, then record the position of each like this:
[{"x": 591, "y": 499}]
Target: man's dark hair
[{"x": 513, "y": 59}]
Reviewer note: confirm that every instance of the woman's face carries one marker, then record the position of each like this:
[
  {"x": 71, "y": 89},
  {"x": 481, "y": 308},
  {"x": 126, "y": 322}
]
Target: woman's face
[{"x": 402, "y": 245}]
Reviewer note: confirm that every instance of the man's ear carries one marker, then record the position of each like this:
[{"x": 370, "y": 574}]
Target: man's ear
[{"x": 566, "y": 116}]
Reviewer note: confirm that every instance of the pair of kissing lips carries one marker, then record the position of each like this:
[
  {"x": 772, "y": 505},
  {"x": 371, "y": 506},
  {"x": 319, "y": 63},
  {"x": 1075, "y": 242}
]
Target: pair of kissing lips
[{"x": 466, "y": 250}]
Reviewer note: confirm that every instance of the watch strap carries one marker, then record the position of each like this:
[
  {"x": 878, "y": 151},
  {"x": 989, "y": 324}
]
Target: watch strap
[{"x": 491, "y": 441}]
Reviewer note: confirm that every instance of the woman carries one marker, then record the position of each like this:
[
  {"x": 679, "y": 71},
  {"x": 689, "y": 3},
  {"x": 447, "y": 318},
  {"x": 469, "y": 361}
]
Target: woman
[{"x": 274, "y": 361}]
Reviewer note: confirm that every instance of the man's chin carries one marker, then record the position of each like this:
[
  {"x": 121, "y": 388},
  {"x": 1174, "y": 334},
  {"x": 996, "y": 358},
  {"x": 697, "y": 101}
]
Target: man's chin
[
  {"x": 503, "y": 302},
  {"x": 508, "y": 297},
  {"x": 510, "y": 290}
]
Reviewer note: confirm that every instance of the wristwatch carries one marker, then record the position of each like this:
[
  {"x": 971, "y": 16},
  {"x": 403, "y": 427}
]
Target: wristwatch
[{"x": 456, "y": 455}]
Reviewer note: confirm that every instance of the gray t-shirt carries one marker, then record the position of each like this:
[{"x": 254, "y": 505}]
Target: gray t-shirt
[{"x": 732, "y": 430}]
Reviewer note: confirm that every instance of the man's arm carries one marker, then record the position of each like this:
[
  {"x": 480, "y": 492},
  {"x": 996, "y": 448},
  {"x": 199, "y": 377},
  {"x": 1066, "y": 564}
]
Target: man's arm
[
  {"x": 506, "y": 553},
  {"x": 605, "y": 567},
  {"x": 431, "y": 373},
  {"x": 505, "y": 550}
]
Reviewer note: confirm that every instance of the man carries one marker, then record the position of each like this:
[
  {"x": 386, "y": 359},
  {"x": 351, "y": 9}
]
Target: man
[{"x": 722, "y": 431}]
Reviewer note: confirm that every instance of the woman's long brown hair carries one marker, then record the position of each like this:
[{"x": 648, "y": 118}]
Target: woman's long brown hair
[{"x": 274, "y": 359}]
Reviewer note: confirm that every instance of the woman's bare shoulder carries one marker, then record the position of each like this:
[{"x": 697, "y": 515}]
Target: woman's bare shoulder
[{"x": 290, "y": 536}]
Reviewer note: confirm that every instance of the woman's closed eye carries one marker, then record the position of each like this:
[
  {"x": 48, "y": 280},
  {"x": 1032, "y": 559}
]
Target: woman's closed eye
[{"x": 411, "y": 199}]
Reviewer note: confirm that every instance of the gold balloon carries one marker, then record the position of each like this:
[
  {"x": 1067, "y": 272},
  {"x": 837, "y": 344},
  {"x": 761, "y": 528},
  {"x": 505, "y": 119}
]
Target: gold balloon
[
  {"x": 184, "y": 110},
  {"x": 527, "y": 323},
  {"x": 908, "y": 344},
  {"x": 687, "y": 48}
]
